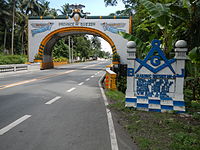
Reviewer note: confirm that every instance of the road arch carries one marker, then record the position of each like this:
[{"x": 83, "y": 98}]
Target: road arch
[
  {"x": 45, "y": 48},
  {"x": 45, "y": 31}
]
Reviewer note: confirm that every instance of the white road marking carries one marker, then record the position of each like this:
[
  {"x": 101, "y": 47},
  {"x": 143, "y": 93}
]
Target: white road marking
[
  {"x": 53, "y": 100},
  {"x": 113, "y": 138},
  {"x": 81, "y": 83},
  {"x": 90, "y": 66},
  {"x": 70, "y": 90},
  {"x": 15, "y": 123},
  {"x": 92, "y": 76},
  {"x": 69, "y": 71},
  {"x": 87, "y": 79}
]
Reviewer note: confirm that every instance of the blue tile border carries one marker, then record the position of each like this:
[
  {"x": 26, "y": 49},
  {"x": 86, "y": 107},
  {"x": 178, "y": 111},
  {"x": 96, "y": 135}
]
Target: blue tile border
[
  {"x": 155, "y": 110},
  {"x": 154, "y": 102},
  {"x": 134, "y": 100},
  {"x": 167, "y": 107},
  {"x": 142, "y": 105},
  {"x": 178, "y": 103},
  {"x": 143, "y": 97}
]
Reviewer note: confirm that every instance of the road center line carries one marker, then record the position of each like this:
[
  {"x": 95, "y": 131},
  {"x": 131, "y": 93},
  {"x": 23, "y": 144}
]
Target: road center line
[
  {"x": 90, "y": 66},
  {"x": 20, "y": 83},
  {"x": 81, "y": 83},
  {"x": 113, "y": 138},
  {"x": 40, "y": 78},
  {"x": 53, "y": 100},
  {"x": 15, "y": 123},
  {"x": 35, "y": 79},
  {"x": 70, "y": 90}
]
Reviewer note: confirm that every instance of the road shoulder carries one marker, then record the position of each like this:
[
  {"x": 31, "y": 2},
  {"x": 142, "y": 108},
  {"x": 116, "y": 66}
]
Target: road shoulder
[{"x": 124, "y": 140}]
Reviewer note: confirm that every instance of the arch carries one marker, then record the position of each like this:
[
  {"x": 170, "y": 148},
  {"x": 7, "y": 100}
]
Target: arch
[{"x": 42, "y": 48}]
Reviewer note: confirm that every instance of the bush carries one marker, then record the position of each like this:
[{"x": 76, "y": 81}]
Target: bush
[
  {"x": 60, "y": 59},
  {"x": 12, "y": 59},
  {"x": 121, "y": 83}
]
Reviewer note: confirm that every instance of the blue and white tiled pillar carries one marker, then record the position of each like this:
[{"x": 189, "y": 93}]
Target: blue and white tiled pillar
[
  {"x": 180, "y": 56},
  {"x": 131, "y": 55}
]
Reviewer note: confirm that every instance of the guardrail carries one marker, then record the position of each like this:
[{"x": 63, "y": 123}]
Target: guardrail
[
  {"x": 13, "y": 68},
  {"x": 110, "y": 80}
]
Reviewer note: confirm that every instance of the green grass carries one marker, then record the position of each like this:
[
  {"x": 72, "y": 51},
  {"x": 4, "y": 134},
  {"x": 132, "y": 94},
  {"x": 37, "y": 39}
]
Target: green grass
[
  {"x": 115, "y": 95},
  {"x": 157, "y": 131}
]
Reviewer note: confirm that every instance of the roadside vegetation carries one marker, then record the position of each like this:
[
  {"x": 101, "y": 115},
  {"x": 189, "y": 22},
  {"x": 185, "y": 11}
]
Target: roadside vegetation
[
  {"x": 12, "y": 59},
  {"x": 60, "y": 59},
  {"x": 84, "y": 48},
  {"x": 158, "y": 131},
  {"x": 168, "y": 21}
]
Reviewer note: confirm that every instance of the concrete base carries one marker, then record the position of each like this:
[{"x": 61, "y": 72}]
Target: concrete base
[{"x": 48, "y": 65}]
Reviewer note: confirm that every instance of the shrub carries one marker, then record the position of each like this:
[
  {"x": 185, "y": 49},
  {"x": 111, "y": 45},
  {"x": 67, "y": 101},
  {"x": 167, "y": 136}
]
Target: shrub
[
  {"x": 60, "y": 59},
  {"x": 12, "y": 59},
  {"x": 121, "y": 83}
]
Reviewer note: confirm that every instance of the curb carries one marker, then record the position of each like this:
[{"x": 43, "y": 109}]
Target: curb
[{"x": 113, "y": 138}]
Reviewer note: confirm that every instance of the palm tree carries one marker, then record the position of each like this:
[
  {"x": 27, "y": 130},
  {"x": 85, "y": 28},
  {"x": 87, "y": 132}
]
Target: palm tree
[
  {"x": 5, "y": 19},
  {"x": 65, "y": 9},
  {"x": 31, "y": 7},
  {"x": 22, "y": 30},
  {"x": 53, "y": 12},
  {"x": 44, "y": 8}
]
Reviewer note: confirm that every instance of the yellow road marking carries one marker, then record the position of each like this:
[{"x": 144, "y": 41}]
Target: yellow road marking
[
  {"x": 39, "y": 78},
  {"x": 33, "y": 80}
]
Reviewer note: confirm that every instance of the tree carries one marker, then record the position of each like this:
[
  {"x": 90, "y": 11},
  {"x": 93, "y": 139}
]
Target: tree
[
  {"x": 5, "y": 20},
  {"x": 167, "y": 20},
  {"x": 65, "y": 9},
  {"x": 31, "y": 7},
  {"x": 60, "y": 49},
  {"x": 82, "y": 47}
]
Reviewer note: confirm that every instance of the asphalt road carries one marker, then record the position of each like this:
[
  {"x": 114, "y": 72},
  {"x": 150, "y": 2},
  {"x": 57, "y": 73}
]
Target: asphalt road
[{"x": 57, "y": 109}]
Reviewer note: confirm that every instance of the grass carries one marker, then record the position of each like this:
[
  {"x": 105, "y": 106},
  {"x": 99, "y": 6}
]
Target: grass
[{"x": 156, "y": 131}]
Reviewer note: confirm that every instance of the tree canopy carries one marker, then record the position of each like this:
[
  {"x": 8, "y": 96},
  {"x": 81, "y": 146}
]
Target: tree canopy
[{"x": 82, "y": 46}]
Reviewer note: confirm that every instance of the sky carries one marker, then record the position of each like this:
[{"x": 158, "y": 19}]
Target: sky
[{"x": 95, "y": 7}]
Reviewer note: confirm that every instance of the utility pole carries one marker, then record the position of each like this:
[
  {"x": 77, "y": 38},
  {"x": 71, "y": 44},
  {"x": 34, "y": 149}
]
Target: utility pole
[
  {"x": 69, "y": 49},
  {"x": 72, "y": 50},
  {"x": 13, "y": 28}
]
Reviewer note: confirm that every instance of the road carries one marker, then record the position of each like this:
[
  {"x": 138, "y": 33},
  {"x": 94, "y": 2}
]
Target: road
[{"x": 57, "y": 109}]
